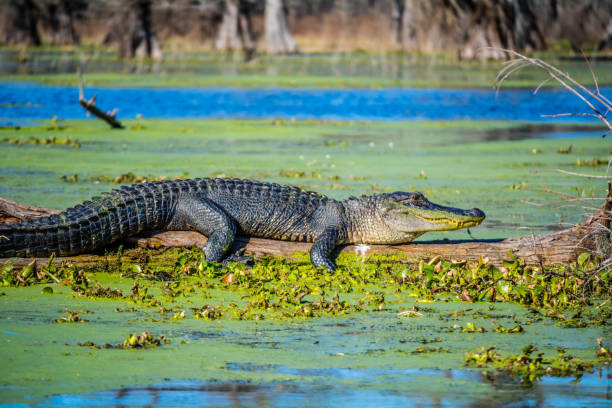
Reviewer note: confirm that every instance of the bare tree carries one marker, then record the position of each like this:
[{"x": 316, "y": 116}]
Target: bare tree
[
  {"x": 235, "y": 32},
  {"x": 467, "y": 26},
  {"x": 133, "y": 31},
  {"x": 278, "y": 36},
  {"x": 19, "y": 22},
  {"x": 398, "y": 8},
  {"x": 607, "y": 37},
  {"x": 60, "y": 17}
]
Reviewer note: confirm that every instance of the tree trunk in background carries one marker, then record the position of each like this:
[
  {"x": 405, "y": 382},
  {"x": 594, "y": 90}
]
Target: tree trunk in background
[
  {"x": 398, "y": 8},
  {"x": 607, "y": 39},
  {"x": 278, "y": 36},
  {"x": 235, "y": 32},
  {"x": 133, "y": 31},
  {"x": 61, "y": 16},
  {"x": 19, "y": 21},
  {"x": 470, "y": 26}
]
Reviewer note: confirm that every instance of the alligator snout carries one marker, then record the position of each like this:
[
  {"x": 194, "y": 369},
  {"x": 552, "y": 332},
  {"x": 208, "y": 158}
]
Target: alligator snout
[{"x": 475, "y": 212}]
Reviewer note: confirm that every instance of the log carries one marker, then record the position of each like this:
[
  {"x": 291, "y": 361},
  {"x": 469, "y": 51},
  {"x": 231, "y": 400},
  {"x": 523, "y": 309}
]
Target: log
[
  {"x": 90, "y": 106},
  {"x": 562, "y": 247},
  {"x": 10, "y": 211}
]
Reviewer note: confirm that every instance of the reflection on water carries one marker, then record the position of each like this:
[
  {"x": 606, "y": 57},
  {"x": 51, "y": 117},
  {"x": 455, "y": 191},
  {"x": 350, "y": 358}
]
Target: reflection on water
[
  {"x": 365, "y": 388},
  {"x": 427, "y": 71},
  {"x": 539, "y": 130},
  {"x": 392, "y": 66},
  {"x": 21, "y": 101}
]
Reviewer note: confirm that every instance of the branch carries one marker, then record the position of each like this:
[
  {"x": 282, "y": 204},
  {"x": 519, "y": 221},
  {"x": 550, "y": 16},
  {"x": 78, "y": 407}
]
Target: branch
[
  {"x": 90, "y": 106},
  {"x": 588, "y": 97},
  {"x": 571, "y": 173}
]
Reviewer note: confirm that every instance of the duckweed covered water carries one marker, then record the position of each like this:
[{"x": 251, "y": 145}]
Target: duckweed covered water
[
  {"x": 363, "y": 347},
  {"x": 411, "y": 350}
]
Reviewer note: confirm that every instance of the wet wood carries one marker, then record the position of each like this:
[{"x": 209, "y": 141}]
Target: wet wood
[
  {"x": 562, "y": 247},
  {"x": 10, "y": 211},
  {"x": 90, "y": 106}
]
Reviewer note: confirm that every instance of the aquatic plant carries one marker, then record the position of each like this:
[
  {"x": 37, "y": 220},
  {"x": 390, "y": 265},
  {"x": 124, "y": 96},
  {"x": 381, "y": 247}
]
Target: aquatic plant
[
  {"x": 32, "y": 140},
  {"x": 531, "y": 368},
  {"x": 125, "y": 178}
]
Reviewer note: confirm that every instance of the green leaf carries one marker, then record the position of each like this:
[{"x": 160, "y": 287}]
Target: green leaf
[{"x": 583, "y": 258}]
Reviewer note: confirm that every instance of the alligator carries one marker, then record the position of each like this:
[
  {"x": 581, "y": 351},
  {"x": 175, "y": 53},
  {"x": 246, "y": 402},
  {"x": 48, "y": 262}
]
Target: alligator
[{"x": 222, "y": 208}]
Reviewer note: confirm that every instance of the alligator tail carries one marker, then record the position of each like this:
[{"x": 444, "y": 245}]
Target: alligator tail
[
  {"x": 86, "y": 227},
  {"x": 56, "y": 234}
]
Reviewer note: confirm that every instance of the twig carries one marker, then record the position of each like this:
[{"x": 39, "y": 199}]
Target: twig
[
  {"x": 571, "y": 173},
  {"x": 90, "y": 106},
  {"x": 520, "y": 61},
  {"x": 559, "y": 115},
  {"x": 592, "y": 73}
]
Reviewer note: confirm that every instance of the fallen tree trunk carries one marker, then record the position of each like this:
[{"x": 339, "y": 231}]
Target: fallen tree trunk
[{"x": 562, "y": 247}]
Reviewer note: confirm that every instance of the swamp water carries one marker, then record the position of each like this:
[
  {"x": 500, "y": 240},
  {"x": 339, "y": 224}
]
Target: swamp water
[
  {"x": 372, "y": 357},
  {"x": 367, "y": 358},
  {"x": 21, "y": 101}
]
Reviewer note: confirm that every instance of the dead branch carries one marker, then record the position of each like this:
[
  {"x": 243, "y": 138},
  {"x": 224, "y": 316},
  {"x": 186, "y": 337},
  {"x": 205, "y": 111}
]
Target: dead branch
[
  {"x": 90, "y": 106},
  {"x": 562, "y": 247},
  {"x": 589, "y": 97},
  {"x": 570, "y": 173}
]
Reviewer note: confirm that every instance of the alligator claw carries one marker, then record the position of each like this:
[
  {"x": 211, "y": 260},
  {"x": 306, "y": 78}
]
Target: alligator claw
[{"x": 238, "y": 257}]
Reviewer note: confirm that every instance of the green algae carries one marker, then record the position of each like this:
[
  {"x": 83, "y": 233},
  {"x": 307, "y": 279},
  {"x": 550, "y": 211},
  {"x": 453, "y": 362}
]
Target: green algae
[
  {"x": 287, "y": 318},
  {"x": 279, "y": 321}
]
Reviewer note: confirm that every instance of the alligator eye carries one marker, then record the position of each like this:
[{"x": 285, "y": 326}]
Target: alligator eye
[{"x": 417, "y": 198}]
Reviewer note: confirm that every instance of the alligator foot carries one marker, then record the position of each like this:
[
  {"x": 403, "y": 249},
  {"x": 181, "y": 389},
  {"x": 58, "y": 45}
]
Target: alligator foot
[{"x": 239, "y": 257}]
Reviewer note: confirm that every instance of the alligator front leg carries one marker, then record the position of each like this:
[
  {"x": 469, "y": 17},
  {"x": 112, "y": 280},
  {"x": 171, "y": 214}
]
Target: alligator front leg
[
  {"x": 322, "y": 248},
  {"x": 204, "y": 216}
]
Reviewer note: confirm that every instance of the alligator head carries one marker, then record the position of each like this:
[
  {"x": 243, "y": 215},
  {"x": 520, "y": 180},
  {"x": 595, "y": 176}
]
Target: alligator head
[{"x": 402, "y": 217}]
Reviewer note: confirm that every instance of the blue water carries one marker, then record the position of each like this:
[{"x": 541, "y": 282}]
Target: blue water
[
  {"x": 23, "y": 101},
  {"x": 371, "y": 391}
]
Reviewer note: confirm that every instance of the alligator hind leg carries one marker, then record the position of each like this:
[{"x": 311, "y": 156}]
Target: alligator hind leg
[
  {"x": 322, "y": 248},
  {"x": 204, "y": 216}
]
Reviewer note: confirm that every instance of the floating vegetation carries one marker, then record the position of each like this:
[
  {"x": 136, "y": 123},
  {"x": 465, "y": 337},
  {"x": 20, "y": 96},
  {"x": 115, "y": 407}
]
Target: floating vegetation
[
  {"x": 520, "y": 186},
  {"x": 530, "y": 368},
  {"x": 207, "y": 312},
  {"x": 145, "y": 340},
  {"x": 126, "y": 178},
  {"x": 425, "y": 350},
  {"x": 276, "y": 288},
  {"x": 338, "y": 143},
  {"x": 20, "y": 105},
  {"x": 32, "y": 140},
  {"x": 591, "y": 163},
  {"x": 72, "y": 317},
  {"x": 516, "y": 329},
  {"x": 470, "y": 328},
  {"x": 565, "y": 150},
  {"x": 299, "y": 174},
  {"x": 31, "y": 274},
  {"x": 97, "y": 291}
]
